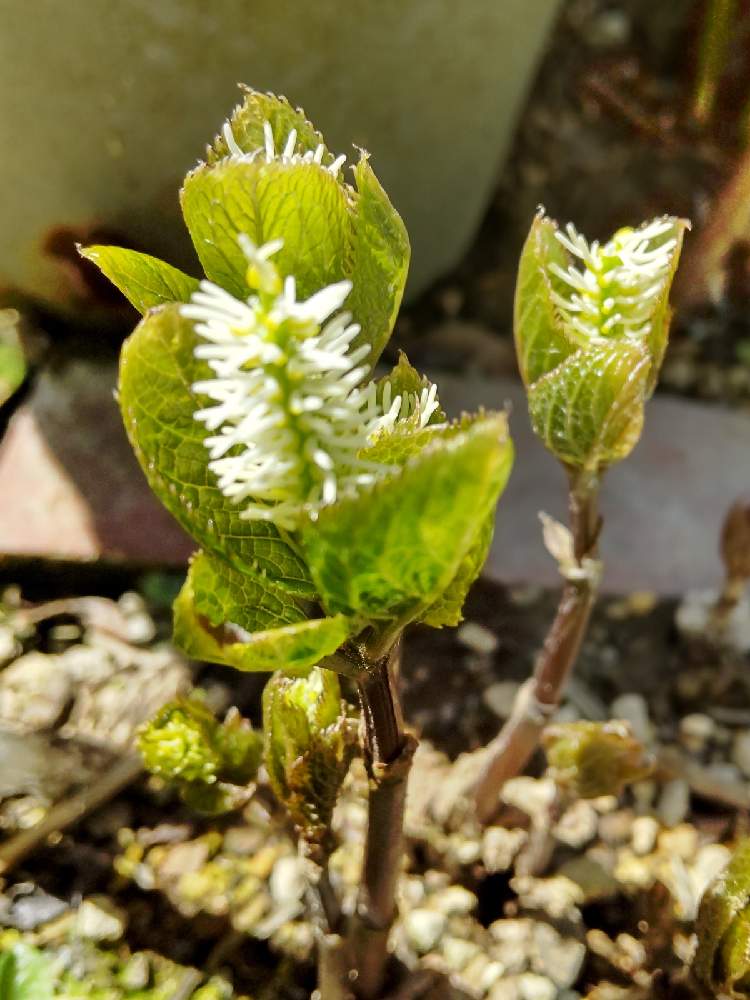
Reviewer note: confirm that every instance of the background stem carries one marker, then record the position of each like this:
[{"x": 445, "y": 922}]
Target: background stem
[
  {"x": 538, "y": 699},
  {"x": 388, "y": 753}
]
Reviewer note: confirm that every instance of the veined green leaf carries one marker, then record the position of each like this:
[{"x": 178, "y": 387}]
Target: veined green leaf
[
  {"x": 448, "y": 609},
  {"x": 659, "y": 333},
  {"x": 308, "y": 747},
  {"x": 541, "y": 343},
  {"x": 224, "y": 617},
  {"x": 145, "y": 281},
  {"x": 302, "y": 204},
  {"x": 391, "y": 551},
  {"x": 248, "y": 118},
  {"x": 379, "y": 260},
  {"x": 157, "y": 370},
  {"x": 331, "y": 230},
  {"x": 589, "y": 410},
  {"x": 722, "y": 959}
]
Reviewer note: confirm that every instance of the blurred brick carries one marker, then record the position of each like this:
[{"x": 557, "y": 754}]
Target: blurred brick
[{"x": 72, "y": 488}]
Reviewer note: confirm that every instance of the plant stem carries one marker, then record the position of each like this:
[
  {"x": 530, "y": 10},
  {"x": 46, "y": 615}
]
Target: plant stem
[
  {"x": 388, "y": 753},
  {"x": 540, "y": 696}
]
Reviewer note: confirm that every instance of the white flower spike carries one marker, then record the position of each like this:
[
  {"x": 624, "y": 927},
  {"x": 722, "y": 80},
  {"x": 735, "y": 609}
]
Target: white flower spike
[
  {"x": 289, "y": 415},
  {"x": 617, "y": 289}
]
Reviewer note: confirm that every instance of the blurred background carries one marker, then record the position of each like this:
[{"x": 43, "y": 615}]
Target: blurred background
[{"x": 606, "y": 113}]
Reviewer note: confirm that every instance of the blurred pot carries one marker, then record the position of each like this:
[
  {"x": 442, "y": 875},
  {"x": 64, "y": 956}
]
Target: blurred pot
[{"x": 104, "y": 106}]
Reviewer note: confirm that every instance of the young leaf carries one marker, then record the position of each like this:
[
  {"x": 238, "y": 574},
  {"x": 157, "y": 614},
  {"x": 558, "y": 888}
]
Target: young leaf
[
  {"x": 330, "y": 229},
  {"x": 658, "y": 336},
  {"x": 223, "y": 616},
  {"x": 380, "y": 260},
  {"x": 541, "y": 343},
  {"x": 185, "y": 742},
  {"x": 157, "y": 370},
  {"x": 308, "y": 747},
  {"x": 722, "y": 962},
  {"x": 301, "y": 203},
  {"x": 26, "y": 974},
  {"x": 448, "y": 609},
  {"x": 248, "y": 118},
  {"x": 589, "y": 410},
  {"x": 595, "y": 758},
  {"x": 392, "y": 551},
  {"x": 145, "y": 281}
]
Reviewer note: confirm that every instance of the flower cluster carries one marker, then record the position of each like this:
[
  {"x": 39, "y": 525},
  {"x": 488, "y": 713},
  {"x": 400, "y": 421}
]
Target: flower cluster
[
  {"x": 621, "y": 281},
  {"x": 290, "y": 414}
]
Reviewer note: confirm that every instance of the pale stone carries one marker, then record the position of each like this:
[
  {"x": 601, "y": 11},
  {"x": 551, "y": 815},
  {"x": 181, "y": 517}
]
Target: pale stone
[
  {"x": 99, "y": 919},
  {"x": 424, "y": 928},
  {"x": 634, "y": 710},
  {"x": 477, "y": 637},
  {"x": 644, "y": 833},
  {"x": 674, "y": 802},
  {"x": 500, "y": 697}
]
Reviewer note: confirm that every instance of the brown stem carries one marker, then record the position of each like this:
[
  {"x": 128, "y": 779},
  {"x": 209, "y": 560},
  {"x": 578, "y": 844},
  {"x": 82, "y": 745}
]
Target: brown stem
[
  {"x": 539, "y": 697},
  {"x": 388, "y": 753}
]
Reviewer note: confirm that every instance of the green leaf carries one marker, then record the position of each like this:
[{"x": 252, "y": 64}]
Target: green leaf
[
  {"x": 380, "y": 261},
  {"x": 391, "y": 551},
  {"x": 248, "y": 118},
  {"x": 309, "y": 743},
  {"x": 541, "y": 343},
  {"x": 659, "y": 333},
  {"x": 302, "y": 204},
  {"x": 185, "y": 742},
  {"x": 26, "y": 974},
  {"x": 721, "y": 960},
  {"x": 157, "y": 370},
  {"x": 591, "y": 759},
  {"x": 448, "y": 609},
  {"x": 145, "y": 281},
  {"x": 330, "y": 230},
  {"x": 12, "y": 357},
  {"x": 589, "y": 410},
  {"x": 224, "y": 617}
]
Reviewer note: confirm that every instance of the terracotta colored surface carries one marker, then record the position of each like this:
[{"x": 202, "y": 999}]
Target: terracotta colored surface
[{"x": 70, "y": 485}]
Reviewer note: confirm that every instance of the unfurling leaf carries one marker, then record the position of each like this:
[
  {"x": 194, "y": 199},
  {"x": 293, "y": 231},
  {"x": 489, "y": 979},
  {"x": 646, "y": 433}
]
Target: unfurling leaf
[
  {"x": 722, "y": 959},
  {"x": 393, "y": 550},
  {"x": 591, "y": 325},
  {"x": 270, "y": 175},
  {"x": 595, "y": 758},
  {"x": 244, "y": 621},
  {"x": 309, "y": 743},
  {"x": 145, "y": 281},
  {"x": 208, "y": 760}
]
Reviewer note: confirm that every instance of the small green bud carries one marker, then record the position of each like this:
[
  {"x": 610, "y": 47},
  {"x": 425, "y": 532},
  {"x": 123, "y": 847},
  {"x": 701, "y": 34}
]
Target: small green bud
[
  {"x": 595, "y": 758},
  {"x": 184, "y": 742},
  {"x": 308, "y": 747},
  {"x": 722, "y": 959}
]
